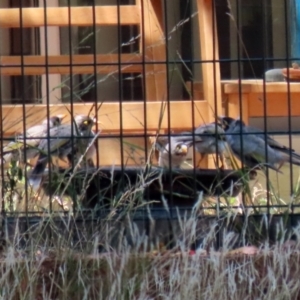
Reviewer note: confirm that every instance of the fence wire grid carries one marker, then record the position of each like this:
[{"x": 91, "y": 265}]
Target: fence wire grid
[{"x": 147, "y": 105}]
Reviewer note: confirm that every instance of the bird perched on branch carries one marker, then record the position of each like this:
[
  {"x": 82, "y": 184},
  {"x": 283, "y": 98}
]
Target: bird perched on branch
[
  {"x": 14, "y": 151},
  {"x": 173, "y": 150},
  {"x": 64, "y": 140},
  {"x": 250, "y": 144}
]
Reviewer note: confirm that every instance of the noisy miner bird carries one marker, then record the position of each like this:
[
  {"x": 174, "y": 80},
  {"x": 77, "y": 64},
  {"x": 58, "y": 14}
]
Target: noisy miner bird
[
  {"x": 255, "y": 147},
  {"x": 226, "y": 122},
  {"x": 14, "y": 151},
  {"x": 173, "y": 150},
  {"x": 90, "y": 152},
  {"x": 209, "y": 139},
  {"x": 62, "y": 143}
]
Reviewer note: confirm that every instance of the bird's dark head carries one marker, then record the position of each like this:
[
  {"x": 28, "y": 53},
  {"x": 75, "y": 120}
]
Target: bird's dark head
[
  {"x": 54, "y": 121},
  {"x": 237, "y": 124},
  {"x": 225, "y": 122}
]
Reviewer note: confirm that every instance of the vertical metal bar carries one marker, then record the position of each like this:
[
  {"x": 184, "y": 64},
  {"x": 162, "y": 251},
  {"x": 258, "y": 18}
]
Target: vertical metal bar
[
  {"x": 71, "y": 93},
  {"x": 3, "y": 211},
  {"x": 47, "y": 98},
  {"x": 120, "y": 88},
  {"x": 95, "y": 82},
  {"x": 264, "y": 41},
  {"x": 142, "y": 49},
  {"x": 190, "y": 12},
  {"x": 288, "y": 63},
  {"x": 216, "y": 111},
  {"x": 214, "y": 70},
  {"x": 172, "y": 214},
  {"x": 192, "y": 63},
  {"x": 264, "y": 38},
  {"x": 23, "y": 106},
  {"x": 214, "y": 82},
  {"x": 168, "y": 94},
  {"x": 239, "y": 69}
]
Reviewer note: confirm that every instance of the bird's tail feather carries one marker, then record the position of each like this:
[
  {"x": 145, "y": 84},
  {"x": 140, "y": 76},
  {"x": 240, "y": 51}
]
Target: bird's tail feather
[
  {"x": 296, "y": 155},
  {"x": 35, "y": 177},
  {"x": 273, "y": 168},
  {"x": 267, "y": 165},
  {"x": 293, "y": 153},
  {"x": 296, "y": 161}
]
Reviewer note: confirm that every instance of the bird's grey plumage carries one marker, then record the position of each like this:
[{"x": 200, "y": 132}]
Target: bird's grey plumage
[
  {"x": 90, "y": 152},
  {"x": 226, "y": 121},
  {"x": 14, "y": 151},
  {"x": 63, "y": 140},
  {"x": 210, "y": 139},
  {"x": 174, "y": 151},
  {"x": 280, "y": 153},
  {"x": 250, "y": 146}
]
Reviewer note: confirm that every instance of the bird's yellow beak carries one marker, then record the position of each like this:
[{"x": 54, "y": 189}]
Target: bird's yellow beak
[
  {"x": 99, "y": 123},
  {"x": 96, "y": 121},
  {"x": 184, "y": 149},
  {"x": 61, "y": 116}
]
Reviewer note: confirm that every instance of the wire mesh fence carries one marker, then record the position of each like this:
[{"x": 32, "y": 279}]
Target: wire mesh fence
[{"x": 149, "y": 108}]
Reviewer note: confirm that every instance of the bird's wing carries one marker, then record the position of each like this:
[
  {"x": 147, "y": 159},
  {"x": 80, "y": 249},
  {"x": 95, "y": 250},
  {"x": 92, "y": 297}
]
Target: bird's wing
[
  {"x": 36, "y": 131},
  {"x": 247, "y": 147},
  {"x": 33, "y": 135},
  {"x": 59, "y": 137},
  {"x": 276, "y": 145},
  {"x": 162, "y": 141},
  {"x": 259, "y": 153},
  {"x": 207, "y": 139},
  {"x": 277, "y": 148},
  {"x": 253, "y": 155},
  {"x": 206, "y": 145},
  {"x": 163, "y": 156},
  {"x": 271, "y": 142}
]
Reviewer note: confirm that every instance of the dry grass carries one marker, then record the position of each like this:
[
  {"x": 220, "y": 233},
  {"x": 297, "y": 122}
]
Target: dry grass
[
  {"x": 82, "y": 260},
  {"x": 114, "y": 258},
  {"x": 250, "y": 273}
]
